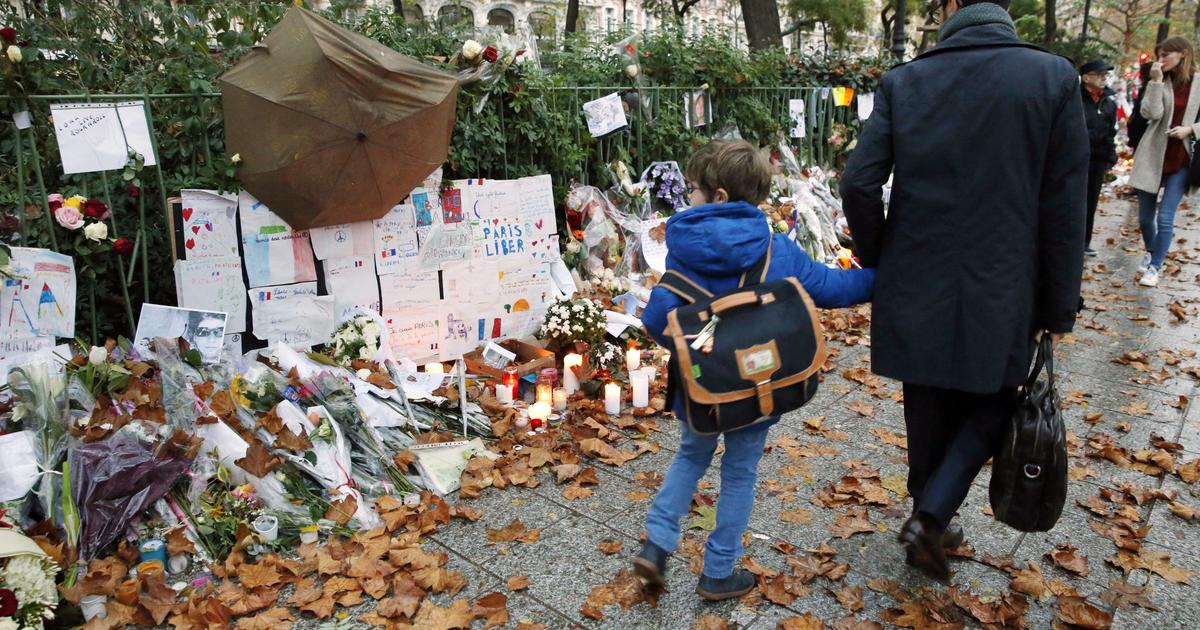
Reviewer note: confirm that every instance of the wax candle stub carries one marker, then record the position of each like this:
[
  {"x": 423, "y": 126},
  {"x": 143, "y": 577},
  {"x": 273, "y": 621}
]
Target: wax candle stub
[
  {"x": 570, "y": 380},
  {"x": 612, "y": 399},
  {"x": 633, "y": 359},
  {"x": 640, "y": 382},
  {"x": 560, "y": 400}
]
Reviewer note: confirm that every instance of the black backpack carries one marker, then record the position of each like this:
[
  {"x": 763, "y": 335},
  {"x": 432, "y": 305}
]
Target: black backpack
[
  {"x": 745, "y": 356},
  {"x": 1029, "y": 475}
]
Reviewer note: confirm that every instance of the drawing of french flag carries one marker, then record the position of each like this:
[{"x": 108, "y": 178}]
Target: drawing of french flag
[{"x": 387, "y": 253}]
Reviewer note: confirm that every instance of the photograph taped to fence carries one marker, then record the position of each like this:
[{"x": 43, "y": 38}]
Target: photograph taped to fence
[{"x": 204, "y": 330}]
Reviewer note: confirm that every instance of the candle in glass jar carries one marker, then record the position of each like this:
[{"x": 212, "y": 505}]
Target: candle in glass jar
[
  {"x": 512, "y": 381},
  {"x": 640, "y": 382},
  {"x": 570, "y": 380},
  {"x": 504, "y": 394},
  {"x": 435, "y": 368},
  {"x": 633, "y": 359},
  {"x": 612, "y": 399},
  {"x": 560, "y": 399}
]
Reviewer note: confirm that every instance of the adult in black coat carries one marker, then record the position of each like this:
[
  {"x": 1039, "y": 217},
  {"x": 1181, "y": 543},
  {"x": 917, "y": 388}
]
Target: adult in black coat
[
  {"x": 1100, "y": 114},
  {"x": 981, "y": 248}
]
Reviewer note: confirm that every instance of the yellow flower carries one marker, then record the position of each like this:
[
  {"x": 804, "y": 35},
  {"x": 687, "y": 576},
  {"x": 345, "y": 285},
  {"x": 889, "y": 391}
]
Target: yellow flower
[
  {"x": 238, "y": 389},
  {"x": 75, "y": 202}
]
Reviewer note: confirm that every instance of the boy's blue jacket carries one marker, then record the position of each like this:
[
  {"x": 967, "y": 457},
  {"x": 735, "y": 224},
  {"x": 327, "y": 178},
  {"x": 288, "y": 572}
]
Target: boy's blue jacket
[{"x": 713, "y": 244}]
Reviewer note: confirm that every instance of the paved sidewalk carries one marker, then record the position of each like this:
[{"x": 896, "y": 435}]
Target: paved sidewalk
[{"x": 1135, "y": 402}]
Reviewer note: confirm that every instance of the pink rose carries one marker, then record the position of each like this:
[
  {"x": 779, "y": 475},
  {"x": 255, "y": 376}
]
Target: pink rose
[
  {"x": 55, "y": 201},
  {"x": 69, "y": 217}
]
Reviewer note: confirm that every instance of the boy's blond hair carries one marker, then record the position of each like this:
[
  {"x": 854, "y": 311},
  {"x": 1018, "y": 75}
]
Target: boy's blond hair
[{"x": 734, "y": 165}]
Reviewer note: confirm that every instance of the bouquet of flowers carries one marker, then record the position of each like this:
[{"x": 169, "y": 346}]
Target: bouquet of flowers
[
  {"x": 359, "y": 338},
  {"x": 28, "y": 595},
  {"x": 224, "y": 508},
  {"x": 668, "y": 193},
  {"x": 42, "y": 407},
  {"x": 573, "y": 321}
]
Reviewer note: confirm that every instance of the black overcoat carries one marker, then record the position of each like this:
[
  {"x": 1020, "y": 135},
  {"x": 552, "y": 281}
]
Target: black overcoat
[
  {"x": 983, "y": 241},
  {"x": 1101, "y": 119}
]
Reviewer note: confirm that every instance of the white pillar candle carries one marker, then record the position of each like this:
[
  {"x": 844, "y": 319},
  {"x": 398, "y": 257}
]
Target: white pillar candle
[
  {"x": 504, "y": 394},
  {"x": 633, "y": 359},
  {"x": 570, "y": 381},
  {"x": 612, "y": 399},
  {"x": 560, "y": 399},
  {"x": 640, "y": 382},
  {"x": 435, "y": 368},
  {"x": 539, "y": 411}
]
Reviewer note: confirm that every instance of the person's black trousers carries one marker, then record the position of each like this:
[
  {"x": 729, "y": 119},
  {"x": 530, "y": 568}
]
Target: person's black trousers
[
  {"x": 951, "y": 435},
  {"x": 1097, "y": 170}
]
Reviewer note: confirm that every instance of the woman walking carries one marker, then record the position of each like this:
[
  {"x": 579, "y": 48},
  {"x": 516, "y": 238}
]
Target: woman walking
[{"x": 1170, "y": 105}]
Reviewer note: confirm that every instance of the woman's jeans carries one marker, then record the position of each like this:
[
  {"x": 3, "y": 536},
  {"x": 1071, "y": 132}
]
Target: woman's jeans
[
  {"x": 739, "y": 473},
  {"x": 1158, "y": 231}
]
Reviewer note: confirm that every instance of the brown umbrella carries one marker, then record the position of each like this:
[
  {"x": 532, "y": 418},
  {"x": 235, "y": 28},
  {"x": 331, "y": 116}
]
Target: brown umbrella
[{"x": 333, "y": 127}]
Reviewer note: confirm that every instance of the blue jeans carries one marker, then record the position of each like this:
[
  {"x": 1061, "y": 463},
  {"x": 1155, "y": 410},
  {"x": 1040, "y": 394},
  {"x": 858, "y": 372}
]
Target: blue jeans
[
  {"x": 1158, "y": 231},
  {"x": 739, "y": 472}
]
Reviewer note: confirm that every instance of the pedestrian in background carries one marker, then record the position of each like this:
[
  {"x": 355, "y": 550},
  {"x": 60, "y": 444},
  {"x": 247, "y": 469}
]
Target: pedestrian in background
[
  {"x": 1100, "y": 113},
  {"x": 1170, "y": 103}
]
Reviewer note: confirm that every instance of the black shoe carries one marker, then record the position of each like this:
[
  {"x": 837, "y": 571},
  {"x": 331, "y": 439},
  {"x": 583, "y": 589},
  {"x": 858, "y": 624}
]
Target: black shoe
[
  {"x": 953, "y": 537},
  {"x": 1090, "y": 253},
  {"x": 736, "y": 585},
  {"x": 651, "y": 564},
  {"x": 922, "y": 539}
]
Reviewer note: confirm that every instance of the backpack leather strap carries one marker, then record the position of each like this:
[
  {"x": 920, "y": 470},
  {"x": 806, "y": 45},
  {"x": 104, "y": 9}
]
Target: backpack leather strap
[
  {"x": 684, "y": 287},
  {"x": 758, "y": 273}
]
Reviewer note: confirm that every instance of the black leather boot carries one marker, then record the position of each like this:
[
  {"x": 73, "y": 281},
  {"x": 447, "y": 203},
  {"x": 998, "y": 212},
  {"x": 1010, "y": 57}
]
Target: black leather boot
[
  {"x": 651, "y": 564},
  {"x": 736, "y": 585},
  {"x": 922, "y": 538}
]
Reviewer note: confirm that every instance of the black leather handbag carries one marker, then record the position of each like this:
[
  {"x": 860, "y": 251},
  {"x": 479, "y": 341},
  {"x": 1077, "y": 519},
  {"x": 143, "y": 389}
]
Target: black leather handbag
[{"x": 1029, "y": 474}]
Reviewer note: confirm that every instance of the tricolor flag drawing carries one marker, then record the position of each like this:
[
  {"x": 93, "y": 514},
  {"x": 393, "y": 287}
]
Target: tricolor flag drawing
[{"x": 48, "y": 298}]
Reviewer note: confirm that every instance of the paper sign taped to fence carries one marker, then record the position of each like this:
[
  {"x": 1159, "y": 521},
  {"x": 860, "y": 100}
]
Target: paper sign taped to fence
[
  {"x": 203, "y": 330},
  {"x": 209, "y": 224},
  {"x": 292, "y": 314},
  {"x": 343, "y": 240},
  {"x": 605, "y": 115},
  {"x": 414, "y": 333},
  {"x": 38, "y": 299},
  {"x": 654, "y": 244},
  {"x": 485, "y": 198},
  {"x": 537, "y": 202},
  {"x": 213, "y": 284},
  {"x": 796, "y": 108},
  {"x": 457, "y": 333},
  {"x": 399, "y": 291},
  {"x": 525, "y": 288},
  {"x": 866, "y": 104},
  {"x": 275, "y": 253},
  {"x": 99, "y": 136},
  {"x": 395, "y": 238},
  {"x": 445, "y": 243},
  {"x": 352, "y": 282}
]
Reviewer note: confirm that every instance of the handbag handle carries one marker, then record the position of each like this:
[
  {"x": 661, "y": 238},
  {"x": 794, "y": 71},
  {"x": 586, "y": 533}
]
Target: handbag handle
[{"x": 1045, "y": 359}]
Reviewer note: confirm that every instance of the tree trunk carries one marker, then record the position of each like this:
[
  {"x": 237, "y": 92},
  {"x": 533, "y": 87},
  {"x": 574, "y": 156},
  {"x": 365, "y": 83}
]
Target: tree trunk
[
  {"x": 899, "y": 30},
  {"x": 762, "y": 23},
  {"x": 398, "y": 10},
  {"x": 572, "y": 15},
  {"x": 1051, "y": 21},
  {"x": 1164, "y": 27}
]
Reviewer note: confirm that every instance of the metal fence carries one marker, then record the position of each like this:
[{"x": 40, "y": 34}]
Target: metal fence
[{"x": 657, "y": 131}]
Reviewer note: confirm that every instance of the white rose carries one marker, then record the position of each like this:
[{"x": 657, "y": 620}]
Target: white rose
[
  {"x": 14, "y": 54},
  {"x": 97, "y": 355},
  {"x": 236, "y": 159},
  {"x": 371, "y": 329},
  {"x": 97, "y": 231},
  {"x": 631, "y": 71},
  {"x": 363, "y": 374},
  {"x": 471, "y": 50},
  {"x": 574, "y": 247}
]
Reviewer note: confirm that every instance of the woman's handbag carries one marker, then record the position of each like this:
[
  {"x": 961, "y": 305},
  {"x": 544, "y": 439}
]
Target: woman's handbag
[
  {"x": 1194, "y": 168},
  {"x": 1029, "y": 475}
]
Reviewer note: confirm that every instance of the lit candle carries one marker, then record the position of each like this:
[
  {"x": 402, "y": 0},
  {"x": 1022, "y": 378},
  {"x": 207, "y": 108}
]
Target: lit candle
[
  {"x": 512, "y": 381},
  {"x": 570, "y": 380},
  {"x": 612, "y": 399},
  {"x": 560, "y": 399},
  {"x": 538, "y": 412},
  {"x": 504, "y": 394},
  {"x": 545, "y": 393},
  {"x": 640, "y": 381},
  {"x": 633, "y": 359},
  {"x": 522, "y": 421},
  {"x": 435, "y": 368}
]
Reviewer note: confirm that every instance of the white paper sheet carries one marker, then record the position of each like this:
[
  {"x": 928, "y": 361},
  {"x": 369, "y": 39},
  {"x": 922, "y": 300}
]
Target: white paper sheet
[
  {"x": 564, "y": 282},
  {"x": 343, "y": 240},
  {"x": 458, "y": 334},
  {"x": 525, "y": 288},
  {"x": 443, "y": 244},
  {"x": 485, "y": 198},
  {"x": 20, "y": 470},
  {"x": 203, "y": 330},
  {"x": 209, "y": 224},
  {"x": 413, "y": 333},
  {"x": 28, "y": 351},
  {"x": 405, "y": 290},
  {"x": 395, "y": 237},
  {"x": 98, "y": 136},
  {"x": 796, "y": 108},
  {"x": 471, "y": 284},
  {"x": 866, "y": 104},
  {"x": 605, "y": 115},
  {"x": 39, "y": 300},
  {"x": 537, "y": 203},
  {"x": 654, "y": 244},
  {"x": 302, "y": 320},
  {"x": 352, "y": 282},
  {"x": 275, "y": 254},
  {"x": 213, "y": 284}
]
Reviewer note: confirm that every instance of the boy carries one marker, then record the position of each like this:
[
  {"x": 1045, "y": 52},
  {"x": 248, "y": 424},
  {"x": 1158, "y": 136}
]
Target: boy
[{"x": 713, "y": 243}]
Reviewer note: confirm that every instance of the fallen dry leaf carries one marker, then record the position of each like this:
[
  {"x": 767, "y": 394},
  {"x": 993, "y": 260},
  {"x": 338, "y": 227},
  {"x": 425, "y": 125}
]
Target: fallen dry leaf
[
  {"x": 518, "y": 583},
  {"x": 806, "y": 622},
  {"x": 1066, "y": 557},
  {"x": 515, "y": 531},
  {"x": 865, "y": 409},
  {"x": 610, "y": 547},
  {"x": 492, "y": 608},
  {"x": 575, "y": 492},
  {"x": 850, "y": 597},
  {"x": 854, "y": 521},
  {"x": 710, "y": 622},
  {"x": 274, "y": 619},
  {"x": 1076, "y": 611},
  {"x": 432, "y": 617},
  {"x": 1121, "y": 595},
  {"x": 800, "y": 516}
]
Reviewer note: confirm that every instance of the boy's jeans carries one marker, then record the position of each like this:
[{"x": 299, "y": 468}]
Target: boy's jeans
[
  {"x": 1158, "y": 231},
  {"x": 739, "y": 472}
]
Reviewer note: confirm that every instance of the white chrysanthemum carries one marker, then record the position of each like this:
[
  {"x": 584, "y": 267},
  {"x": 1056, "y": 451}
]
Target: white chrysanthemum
[
  {"x": 31, "y": 582},
  {"x": 7, "y": 623}
]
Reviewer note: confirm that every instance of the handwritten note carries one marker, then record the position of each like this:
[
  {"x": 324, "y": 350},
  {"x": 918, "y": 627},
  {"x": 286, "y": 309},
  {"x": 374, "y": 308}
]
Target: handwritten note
[
  {"x": 525, "y": 287},
  {"x": 352, "y": 282},
  {"x": 99, "y": 136},
  {"x": 343, "y": 240},
  {"x": 292, "y": 314},
  {"x": 275, "y": 254},
  {"x": 489, "y": 198},
  {"x": 209, "y": 224},
  {"x": 414, "y": 333},
  {"x": 405, "y": 290},
  {"x": 457, "y": 333},
  {"x": 654, "y": 244},
  {"x": 445, "y": 243},
  {"x": 605, "y": 115},
  {"x": 472, "y": 283},
  {"x": 213, "y": 284},
  {"x": 38, "y": 300},
  {"x": 396, "y": 246}
]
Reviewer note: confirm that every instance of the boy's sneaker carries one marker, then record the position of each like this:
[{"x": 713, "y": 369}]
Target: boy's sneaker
[
  {"x": 1145, "y": 263},
  {"x": 651, "y": 564},
  {"x": 1150, "y": 278},
  {"x": 736, "y": 585},
  {"x": 1090, "y": 253}
]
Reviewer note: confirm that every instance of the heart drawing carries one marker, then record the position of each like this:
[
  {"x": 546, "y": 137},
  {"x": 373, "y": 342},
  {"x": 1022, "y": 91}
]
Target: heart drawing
[
  {"x": 191, "y": 243},
  {"x": 187, "y": 214},
  {"x": 195, "y": 229},
  {"x": 540, "y": 223}
]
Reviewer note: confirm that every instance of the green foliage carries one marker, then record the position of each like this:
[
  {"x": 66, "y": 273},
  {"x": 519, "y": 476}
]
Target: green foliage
[
  {"x": 840, "y": 17},
  {"x": 1032, "y": 29},
  {"x": 527, "y": 121}
]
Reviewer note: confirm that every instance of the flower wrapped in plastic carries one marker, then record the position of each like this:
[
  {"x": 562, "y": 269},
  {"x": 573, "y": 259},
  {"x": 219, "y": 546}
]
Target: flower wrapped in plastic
[
  {"x": 28, "y": 595},
  {"x": 668, "y": 192},
  {"x": 361, "y": 337},
  {"x": 41, "y": 406}
]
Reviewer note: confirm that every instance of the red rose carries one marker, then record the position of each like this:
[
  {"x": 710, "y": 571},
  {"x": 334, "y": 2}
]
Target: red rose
[
  {"x": 134, "y": 191},
  {"x": 54, "y": 205},
  {"x": 8, "y": 603},
  {"x": 9, "y": 34},
  {"x": 96, "y": 209},
  {"x": 123, "y": 246},
  {"x": 490, "y": 54}
]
